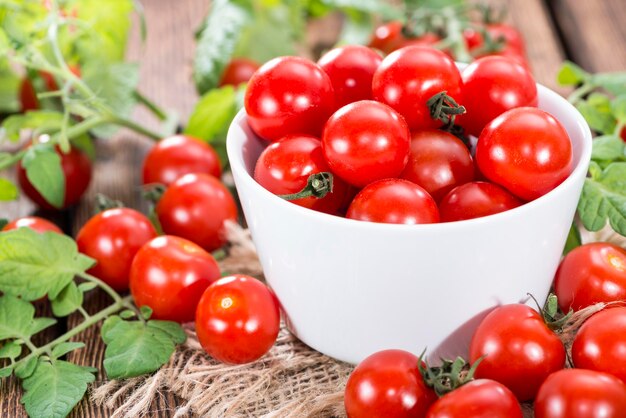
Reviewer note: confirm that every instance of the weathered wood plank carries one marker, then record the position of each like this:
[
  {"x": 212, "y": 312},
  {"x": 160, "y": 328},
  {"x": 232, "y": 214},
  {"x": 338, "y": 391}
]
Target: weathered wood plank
[{"x": 594, "y": 32}]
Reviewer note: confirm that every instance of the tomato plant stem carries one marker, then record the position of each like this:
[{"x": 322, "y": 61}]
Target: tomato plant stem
[
  {"x": 108, "y": 289},
  {"x": 135, "y": 127},
  {"x": 150, "y": 105},
  {"x": 13, "y": 159}
]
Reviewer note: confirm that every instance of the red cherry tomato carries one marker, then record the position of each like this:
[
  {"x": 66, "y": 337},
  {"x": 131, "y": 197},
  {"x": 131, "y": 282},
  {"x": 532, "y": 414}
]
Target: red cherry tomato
[
  {"x": 366, "y": 141},
  {"x": 525, "y": 150},
  {"x": 508, "y": 35},
  {"x": 238, "y": 71},
  {"x": 477, "y": 399},
  {"x": 520, "y": 350},
  {"x": 622, "y": 134},
  {"x": 491, "y": 86},
  {"x": 599, "y": 343},
  {"x": 351, "y": 69},
  {"x": 170, "y": 274},
  {"x": 28, "y": 96},
  {"x": 394, "y": 201},
  {"x": 438, "y": 162},
  {"x": 173, "y": 157},
  {"x": 112, "y": 238},
  {"x": 50, "y": 81},
  {"x": 195, "y": 207},
  {"x": 388, "y": 37},
  {"x": 589, "y": 274},
  {"x": 475, "y": 200},
  {"x": 410, "y": 76},
  {"x": 77, "y": 171},
  {"x": 35, "y": 223},
  {"x": 237, "y": 319},
  {"x": 575, "y": 393},
  {"x": 388, "y": 384},
  {"x": 287, "y": 96},
  {"x": 285, "y": 166}
]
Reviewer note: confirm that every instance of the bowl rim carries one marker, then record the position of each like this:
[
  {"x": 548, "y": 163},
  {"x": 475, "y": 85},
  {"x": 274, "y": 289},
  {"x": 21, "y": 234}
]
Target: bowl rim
[{"x": 235, "y": 155}]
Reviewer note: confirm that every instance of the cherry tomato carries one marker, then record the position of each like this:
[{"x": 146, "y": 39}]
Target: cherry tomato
[
  {"x": 195, "y": 207},
  {"x": 112, "y": 238},
  {"x": 289, "y": 95},
  {"x": 388, "y": 384},
  {"x": 410, "y": 76},
  {"x": 28, "y": 96},
  {"x": 170, "y": 274},
  {"x": 480, "y": 398},
  {"x": 508, "y": 35},
  {"x": 285, "y": 166},
  {"x": 491, "y": 86},
  {"x": 177, "y": 155},
  {"x": 238, "y": 319},
  {"x": 475, "y": 200},
  {"x": 77, "y": 171},
  {"x": 521, "y": 351},
  {"x": 394, "y": 201},
  {"x": 366, "y": 141},
  {"x": 351, "y": 69},
  {"x": 388, "y": 37},
  {"x": 50, "y": 81},
  {"x": 238, "y": 71},
  {"x": 35, "y": 223},
  {"x": 576, "y": 393},
  {"x": 589, "y": 274},
  {"x": 600, "y": 341},
  {"x": 438, "y": 162},
  {"x": 525, "y": 150},
  {"x": 622, "y": 134}
]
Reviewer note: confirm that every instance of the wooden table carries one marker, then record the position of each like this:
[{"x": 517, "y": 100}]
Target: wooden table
[{"x": 591, "y": 33}]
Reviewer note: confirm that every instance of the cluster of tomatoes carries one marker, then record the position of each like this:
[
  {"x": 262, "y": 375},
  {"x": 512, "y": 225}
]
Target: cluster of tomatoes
[
  {"x": 371, "y": 138},
  {"x": 520, "y": 357},
  {"x": 237, "y": 317}
]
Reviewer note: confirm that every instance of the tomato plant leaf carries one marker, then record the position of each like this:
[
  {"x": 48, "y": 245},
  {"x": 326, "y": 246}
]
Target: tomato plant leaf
[
  {"x": 614, "y": 83},
  {"x": 68, "y": 300},
  {"x": 384, "y": 9},
  {"x": 598, "y": 115},
  {"x": 17, "y": 319},
  {"x": 6, "y": 371},
  {"x": 9, "y": 89},
  {"x": 26, "y": 369},
  {"x": 618, "y": 106},
  {"x": 135, "y": 348},
  {"x": 217, "y": 42},
  {"x": 357, "y": 28},
  {"x": 41, "y": 121},
  {"x": 608, "y": 148},
  {"x": 573, "y": 239},
  {"x": 44, "y": 172},
  {"x": 604, "y": 198},
  {"x": 87, "y": 286},
  {"x": 8, "y": 190},
  {"x": 211, "y": 117},
  {"x": 65, "y": 347},
  {"x": 11, "y": 350},
  {"x": 146, "y": 312},
  {"x": 55, "y": 388},
  {"x": 33, "y": 265},
  {"x": 571, "y": 74}
]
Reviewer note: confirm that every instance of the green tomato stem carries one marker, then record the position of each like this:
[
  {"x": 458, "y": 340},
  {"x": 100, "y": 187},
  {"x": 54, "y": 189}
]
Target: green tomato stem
[
  {"x": 150, "y": 105},
  {"x": 118, "y": 120},
  {"x": 108, "y": 289},
  {"x": 9, "y": 162},
  {"x": 580, "y": 92}
]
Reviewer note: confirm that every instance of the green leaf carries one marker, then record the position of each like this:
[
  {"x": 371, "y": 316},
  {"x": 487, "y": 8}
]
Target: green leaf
[
  {"x": 11, "y": 349},
  {"x": 146, "y": 312},
  {"x": 604, "y": 198},
  {"x": 127, "y": 314},
  {"x": 357, "y": 28},
  {"x": 8, "y": 190},
  {"x": 211, "y": 117},
  {"x": 135, "y": 348},
  {"x": 571, "y": 74},
  {"x": 17, "y": 318},
  {"x": 54, "y": 389},
  {"x": 27, "y": 368},
  {"x": 65, "y": 347},
  {"x": 10, "y": 85},
  {"x": 614, "y": 83},
  {"x": 114, "y": 85},
  {"x": 608, "y": 148},
  {"x": 573, "y": 239},
  {"x": 67, "y": 301},
  {"x": 33, "y": 265},
  {"x": 86, "y": 145},
  {"x": 217, "y": 42},
  {"x": 379, "y": 7},
  {"x": 3, "y": 223},
  {"x": 87, "y": 286},
  {"x": 6, "y": 371},
  {"x": 598, "y": 115},
  {"x": 41, "y": 121},
  {"x": 618, "y": 106},
  {"x": 44, "y": 172}
]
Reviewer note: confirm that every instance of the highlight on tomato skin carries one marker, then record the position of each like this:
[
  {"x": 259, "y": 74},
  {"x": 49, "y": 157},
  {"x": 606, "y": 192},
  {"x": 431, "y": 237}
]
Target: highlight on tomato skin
[
  {"x": 237, "y": 319},
  {"x": 35, "y": 223}
]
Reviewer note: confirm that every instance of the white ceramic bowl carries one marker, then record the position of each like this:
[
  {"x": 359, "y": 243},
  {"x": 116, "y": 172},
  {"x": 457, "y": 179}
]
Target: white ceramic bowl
[{"x": 350, "y": 288}]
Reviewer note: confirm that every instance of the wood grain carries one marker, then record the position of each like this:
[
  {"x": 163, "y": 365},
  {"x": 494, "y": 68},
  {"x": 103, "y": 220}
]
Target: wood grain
[{"x": 594, "y": 32}]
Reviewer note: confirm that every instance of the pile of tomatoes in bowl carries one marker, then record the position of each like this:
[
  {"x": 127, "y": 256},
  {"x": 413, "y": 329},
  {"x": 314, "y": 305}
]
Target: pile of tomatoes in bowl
[{"x": 408, "y": 139}]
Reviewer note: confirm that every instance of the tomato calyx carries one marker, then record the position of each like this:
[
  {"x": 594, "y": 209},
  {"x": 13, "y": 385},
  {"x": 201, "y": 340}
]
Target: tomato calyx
[
  {"x": 104, "y": 202},
  {"x": 153, "y": 192},
  {"x": 491, "y": 14},
  {"x": 318, "y": 185},
  {"x": 444, "y": 108},
  {"x": 451, "y": 375},
  {"x": 554, "y": 319}
]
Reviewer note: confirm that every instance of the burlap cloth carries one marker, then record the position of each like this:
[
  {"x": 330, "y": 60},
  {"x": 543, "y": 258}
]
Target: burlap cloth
[{"x": 292, "y": 380}]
